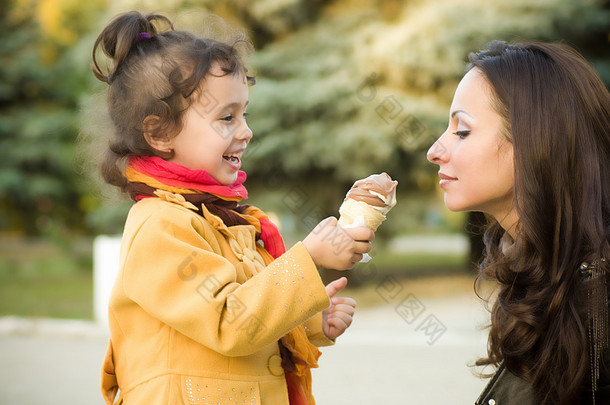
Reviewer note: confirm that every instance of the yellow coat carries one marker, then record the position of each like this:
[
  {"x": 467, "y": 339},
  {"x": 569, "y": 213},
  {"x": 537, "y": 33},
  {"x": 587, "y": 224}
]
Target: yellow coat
[{"x": 195, "y": 315}]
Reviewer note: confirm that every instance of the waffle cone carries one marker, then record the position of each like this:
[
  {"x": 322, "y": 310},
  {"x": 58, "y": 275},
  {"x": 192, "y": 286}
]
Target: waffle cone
[{"x": 350, "y": 209}]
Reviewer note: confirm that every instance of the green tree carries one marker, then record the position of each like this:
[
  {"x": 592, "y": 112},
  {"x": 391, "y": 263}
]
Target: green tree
[
  {"x": 42, "y": 78},
  {"x": 344, "y": 89},
  {"x": 366, "y": 87}
]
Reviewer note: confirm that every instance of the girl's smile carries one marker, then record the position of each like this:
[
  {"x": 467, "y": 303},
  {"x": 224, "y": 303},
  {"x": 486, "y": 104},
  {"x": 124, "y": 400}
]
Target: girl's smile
[{"x": 234, "y": 158}]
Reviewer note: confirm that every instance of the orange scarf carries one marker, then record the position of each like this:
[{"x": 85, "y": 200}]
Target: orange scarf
[{"x": 147, "y": 174}]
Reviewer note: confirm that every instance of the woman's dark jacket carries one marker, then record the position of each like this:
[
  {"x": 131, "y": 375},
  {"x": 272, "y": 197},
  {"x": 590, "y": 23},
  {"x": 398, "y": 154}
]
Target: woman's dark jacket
[{"x": 507, "y": 389}]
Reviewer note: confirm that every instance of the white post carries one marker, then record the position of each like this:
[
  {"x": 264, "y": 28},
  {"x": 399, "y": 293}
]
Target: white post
[{"x": 106, "y": 251}]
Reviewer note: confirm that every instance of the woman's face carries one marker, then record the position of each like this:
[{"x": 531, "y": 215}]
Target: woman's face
[{"x": 475, "y": 160}]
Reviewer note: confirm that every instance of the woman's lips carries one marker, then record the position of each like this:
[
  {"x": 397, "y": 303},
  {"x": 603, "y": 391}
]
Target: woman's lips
[{"x": 445, "y": 180}]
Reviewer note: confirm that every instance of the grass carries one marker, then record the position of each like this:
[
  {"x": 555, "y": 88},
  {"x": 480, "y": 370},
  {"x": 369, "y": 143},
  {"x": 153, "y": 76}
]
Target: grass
[
  {"x": 424, "y": 275},
  {"x": 370, "y": 294},
  {"x": 43, "y": 279},
  {"x": 421, "y": 264}
]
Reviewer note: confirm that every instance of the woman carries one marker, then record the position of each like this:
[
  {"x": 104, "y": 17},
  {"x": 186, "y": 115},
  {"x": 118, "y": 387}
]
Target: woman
[{"x": 528, "y": 144}]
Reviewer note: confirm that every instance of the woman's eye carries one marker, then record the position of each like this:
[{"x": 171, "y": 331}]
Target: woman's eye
[
  {"x": 462, "y": 134},
  {"x": 246, "y": 115},
  {"x": 227, "y": 118}
]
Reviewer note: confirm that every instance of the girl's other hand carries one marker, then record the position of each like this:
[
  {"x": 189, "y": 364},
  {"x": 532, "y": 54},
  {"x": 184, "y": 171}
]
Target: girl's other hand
[
  {"x": 333, "y": 247},
  {"x": 338, "y": 317}
]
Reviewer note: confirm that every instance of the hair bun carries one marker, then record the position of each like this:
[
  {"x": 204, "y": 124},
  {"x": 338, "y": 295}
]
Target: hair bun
[
  {"x": 121, "y": 35},
  {"x": 143, "y": 35}
]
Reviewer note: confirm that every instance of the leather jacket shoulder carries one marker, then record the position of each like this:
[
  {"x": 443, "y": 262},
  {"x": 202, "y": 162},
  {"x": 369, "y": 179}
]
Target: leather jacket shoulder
[{"x": 506, "y": 389}]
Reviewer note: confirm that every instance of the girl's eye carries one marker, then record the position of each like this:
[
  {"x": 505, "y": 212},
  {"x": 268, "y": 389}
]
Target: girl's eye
[
  {"x": 462, "y": 134},
  {"x": 230, "y": 117},
  {"x": 246, "y": 115}
]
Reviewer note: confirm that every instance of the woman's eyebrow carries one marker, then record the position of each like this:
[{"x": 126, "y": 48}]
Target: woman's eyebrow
[{"x": 456, "y": 112}]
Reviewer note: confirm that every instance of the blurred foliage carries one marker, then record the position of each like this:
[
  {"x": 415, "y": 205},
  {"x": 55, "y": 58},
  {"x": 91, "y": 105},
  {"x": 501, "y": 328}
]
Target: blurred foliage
[
  {"x": 366, "y": 88},
  {"x": 42, "y": 79},
  {"x": 345, "y": 88}
]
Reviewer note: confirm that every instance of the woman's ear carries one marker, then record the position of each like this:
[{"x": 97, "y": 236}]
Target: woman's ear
[{"x": 159, "y": 143}]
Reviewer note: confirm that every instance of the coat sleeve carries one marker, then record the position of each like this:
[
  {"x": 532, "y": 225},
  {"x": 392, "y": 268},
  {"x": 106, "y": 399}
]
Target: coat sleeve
[
  {"x": 174, "y": 272},
  {"x": 315, "y": 333}
]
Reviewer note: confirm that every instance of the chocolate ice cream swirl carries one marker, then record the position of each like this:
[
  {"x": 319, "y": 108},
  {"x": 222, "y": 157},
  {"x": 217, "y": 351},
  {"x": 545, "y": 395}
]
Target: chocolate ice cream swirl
[{"x": 370, "y": 189}]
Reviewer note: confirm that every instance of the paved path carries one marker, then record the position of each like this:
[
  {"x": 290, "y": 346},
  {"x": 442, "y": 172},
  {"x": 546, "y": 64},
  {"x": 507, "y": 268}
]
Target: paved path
[
  {"x": 407, "y": 352},
  {"x": 382, "y": 359}
]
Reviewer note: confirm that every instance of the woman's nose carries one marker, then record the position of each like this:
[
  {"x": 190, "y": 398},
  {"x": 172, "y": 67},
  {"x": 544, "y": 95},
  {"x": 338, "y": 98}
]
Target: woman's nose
[{"x": 438, "y": 151}]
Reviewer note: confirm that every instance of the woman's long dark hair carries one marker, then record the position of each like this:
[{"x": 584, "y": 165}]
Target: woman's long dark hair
[{"x": 557, "y": 116}]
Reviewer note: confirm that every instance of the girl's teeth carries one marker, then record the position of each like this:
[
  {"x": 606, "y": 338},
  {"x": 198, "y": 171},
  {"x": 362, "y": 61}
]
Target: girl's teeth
[{"x": 231, "y": 158}]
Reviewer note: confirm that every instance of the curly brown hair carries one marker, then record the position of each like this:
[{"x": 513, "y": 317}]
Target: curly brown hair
[
  {"x": 155, "y": 71},
  {"x": 556, "y": 112}
]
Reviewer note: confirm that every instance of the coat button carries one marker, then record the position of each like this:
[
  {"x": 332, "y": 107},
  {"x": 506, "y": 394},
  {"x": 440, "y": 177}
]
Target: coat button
[
  {"x": 491, "y": 402},
  {"x": 275, "y": 365}
]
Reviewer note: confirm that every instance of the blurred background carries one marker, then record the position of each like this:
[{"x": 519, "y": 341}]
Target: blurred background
[{"x": 344, "y": 89}]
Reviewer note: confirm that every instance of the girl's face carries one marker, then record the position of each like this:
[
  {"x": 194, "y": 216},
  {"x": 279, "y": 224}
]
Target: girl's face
[
  {"x": 475, "y": 160},
  {"x": 215, "y": 133}
]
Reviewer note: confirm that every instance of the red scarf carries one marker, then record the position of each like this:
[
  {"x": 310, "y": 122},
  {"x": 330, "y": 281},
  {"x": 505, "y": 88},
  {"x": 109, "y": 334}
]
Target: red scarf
[
  {"x": 146, "y": 174},
  {"x": 176, "y": 175}
]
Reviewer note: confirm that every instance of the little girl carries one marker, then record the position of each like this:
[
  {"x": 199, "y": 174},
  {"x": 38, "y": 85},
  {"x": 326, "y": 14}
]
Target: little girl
[{"x": 208, "y": 306}]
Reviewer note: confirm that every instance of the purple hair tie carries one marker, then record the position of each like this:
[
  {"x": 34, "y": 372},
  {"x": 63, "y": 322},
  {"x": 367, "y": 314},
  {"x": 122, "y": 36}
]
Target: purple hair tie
[{"x": 143, "y": 35}]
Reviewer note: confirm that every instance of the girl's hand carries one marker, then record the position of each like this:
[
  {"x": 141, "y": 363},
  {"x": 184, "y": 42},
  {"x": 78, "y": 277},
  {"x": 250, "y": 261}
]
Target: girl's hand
[
  {"x": 337, "y": 317},
  {"x": 333, "y": 247}
]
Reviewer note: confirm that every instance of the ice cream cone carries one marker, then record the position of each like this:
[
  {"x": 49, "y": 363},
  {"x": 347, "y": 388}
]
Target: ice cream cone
[
  {"x": 372, "y": 198},
  {"x": 350, "y": 209}
]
